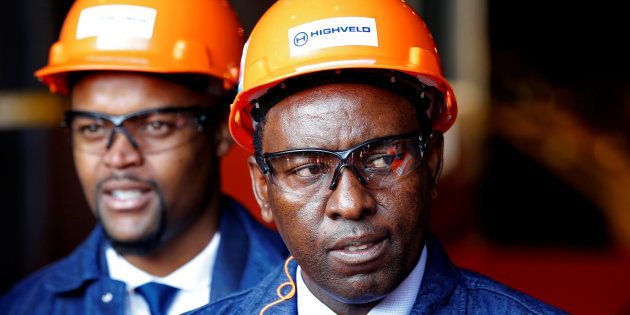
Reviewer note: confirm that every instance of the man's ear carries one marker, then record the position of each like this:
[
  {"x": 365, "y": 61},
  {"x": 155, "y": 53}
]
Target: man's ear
[
  {"x": 222, "y": 139},
  {"x": 260, "y": 186},
  {"x": 435, "y": 157}
]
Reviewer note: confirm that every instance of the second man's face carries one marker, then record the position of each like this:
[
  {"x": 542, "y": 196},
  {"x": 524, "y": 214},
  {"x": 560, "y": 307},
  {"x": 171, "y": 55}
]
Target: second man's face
[
  {"x": 141, "y": 197},
  {"x": 354, "y": 242}
]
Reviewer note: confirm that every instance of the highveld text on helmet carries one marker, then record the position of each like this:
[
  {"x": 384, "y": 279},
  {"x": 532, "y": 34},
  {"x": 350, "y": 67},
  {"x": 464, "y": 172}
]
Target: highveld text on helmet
[
  {"x": 146, "y": 36},
  {"x": 296, "y": 38}
]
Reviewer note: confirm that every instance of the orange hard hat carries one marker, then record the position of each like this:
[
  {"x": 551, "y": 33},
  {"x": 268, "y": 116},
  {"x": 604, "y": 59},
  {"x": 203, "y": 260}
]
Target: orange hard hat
[
  {"x": 158, "y": 36},
  {"x": 298, "y": 37}
]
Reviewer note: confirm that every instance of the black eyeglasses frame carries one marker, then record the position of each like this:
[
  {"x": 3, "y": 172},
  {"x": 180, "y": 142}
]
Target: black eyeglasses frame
[
  {"x": 343, "y": 155},
  {"x": 201, "y": 115}
]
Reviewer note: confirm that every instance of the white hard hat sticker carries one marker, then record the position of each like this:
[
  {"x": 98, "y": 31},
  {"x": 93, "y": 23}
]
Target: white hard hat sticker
[
  {"x": 111, "y": 21},
  {"x": 332, "y": 32}
]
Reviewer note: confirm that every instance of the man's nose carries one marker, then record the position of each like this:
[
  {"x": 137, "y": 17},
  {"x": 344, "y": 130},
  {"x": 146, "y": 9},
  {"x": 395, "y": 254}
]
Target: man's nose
[
  {"x": 350, "y": 199},
  {"x": 122, "y": 151}
]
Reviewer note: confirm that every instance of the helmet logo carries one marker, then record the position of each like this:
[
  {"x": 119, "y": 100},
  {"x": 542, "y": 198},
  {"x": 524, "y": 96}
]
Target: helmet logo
[
  {"x": 332, "y": 32},
  {"x": 300, "y": 39}
]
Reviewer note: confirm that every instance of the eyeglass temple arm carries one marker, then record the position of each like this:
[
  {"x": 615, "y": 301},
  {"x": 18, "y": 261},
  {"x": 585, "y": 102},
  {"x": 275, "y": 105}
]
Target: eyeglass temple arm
[{"x": 260, "y": 160}]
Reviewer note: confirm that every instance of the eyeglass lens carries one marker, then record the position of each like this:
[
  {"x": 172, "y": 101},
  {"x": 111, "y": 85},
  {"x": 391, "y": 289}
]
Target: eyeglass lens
[
  {"x": 315, "y": 172},
  {"x": 149, "y": 132}
]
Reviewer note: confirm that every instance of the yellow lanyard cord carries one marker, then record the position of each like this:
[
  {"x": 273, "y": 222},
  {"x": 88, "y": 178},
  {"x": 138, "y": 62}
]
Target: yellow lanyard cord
[{"x": 283, "y": 297}]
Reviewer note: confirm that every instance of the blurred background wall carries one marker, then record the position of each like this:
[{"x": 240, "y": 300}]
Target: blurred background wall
[{"x": 536, "y": 187}]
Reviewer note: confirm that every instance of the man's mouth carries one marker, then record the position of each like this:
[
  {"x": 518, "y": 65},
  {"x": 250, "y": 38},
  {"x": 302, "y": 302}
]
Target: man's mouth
[
  {"x": 125, "y": 195},
  {"x": 359, "y": 250},
  {"x": 129, "y": 194}
]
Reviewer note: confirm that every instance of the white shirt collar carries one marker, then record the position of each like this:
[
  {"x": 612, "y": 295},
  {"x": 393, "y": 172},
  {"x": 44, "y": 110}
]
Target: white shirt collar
[
  {"x": 192, "y": 279},
  {"x": 399, "y": 301},
  {"x": 190, "y": 276}
]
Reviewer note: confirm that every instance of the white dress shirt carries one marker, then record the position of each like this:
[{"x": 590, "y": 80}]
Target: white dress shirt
[
  {"x": 400, "y": 301},
  {"x": 192, "y": 279}
]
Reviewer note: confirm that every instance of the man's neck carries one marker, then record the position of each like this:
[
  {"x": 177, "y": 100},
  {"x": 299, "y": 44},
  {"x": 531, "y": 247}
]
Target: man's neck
[{"x": 180, "y": 248}]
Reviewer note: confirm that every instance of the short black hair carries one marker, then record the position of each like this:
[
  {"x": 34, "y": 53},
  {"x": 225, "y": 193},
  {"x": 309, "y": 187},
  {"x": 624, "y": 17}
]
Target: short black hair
[{"x": 258, "y": 131}]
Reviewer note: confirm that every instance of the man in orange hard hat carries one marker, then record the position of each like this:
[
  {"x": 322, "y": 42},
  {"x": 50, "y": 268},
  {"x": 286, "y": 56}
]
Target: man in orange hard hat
[
  {"x": 149, "y": 83},
  {"x": 343, "y": 105}
]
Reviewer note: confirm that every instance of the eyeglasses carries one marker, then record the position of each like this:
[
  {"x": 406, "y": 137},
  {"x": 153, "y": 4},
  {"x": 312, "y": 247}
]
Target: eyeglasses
[
  {"x": 151, "y": 130},
  {"x": 376, "y": 163}
]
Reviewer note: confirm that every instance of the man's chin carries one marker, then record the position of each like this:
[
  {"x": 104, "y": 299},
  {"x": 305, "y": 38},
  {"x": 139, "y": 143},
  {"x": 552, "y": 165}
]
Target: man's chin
[
  {"x": 139, "y": 246},
  {"x": 366, "y": 298},
  {"x": 130, "y": 237},
  {"x": 355, "y": 292},
  {"x": 138, "y": 241}
]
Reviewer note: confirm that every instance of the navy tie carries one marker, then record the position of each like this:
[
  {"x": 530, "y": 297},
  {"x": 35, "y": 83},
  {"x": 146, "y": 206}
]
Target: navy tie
[{"x": 158, "y": 296}]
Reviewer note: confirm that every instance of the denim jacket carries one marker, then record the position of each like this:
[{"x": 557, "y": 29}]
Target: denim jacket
[
  {"x": 445, "y": 289},
  {"x": 80, "y": 283}
]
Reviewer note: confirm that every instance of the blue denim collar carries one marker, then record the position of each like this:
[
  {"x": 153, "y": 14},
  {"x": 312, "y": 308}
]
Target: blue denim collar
[
  {"x": 246, "y": 249},
  {"x": 85, "y": 264}
]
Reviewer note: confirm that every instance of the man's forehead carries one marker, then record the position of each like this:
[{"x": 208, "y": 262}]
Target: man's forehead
[
  {"x": 337, "y": 116},
  {"x": 122, "y": 93}
]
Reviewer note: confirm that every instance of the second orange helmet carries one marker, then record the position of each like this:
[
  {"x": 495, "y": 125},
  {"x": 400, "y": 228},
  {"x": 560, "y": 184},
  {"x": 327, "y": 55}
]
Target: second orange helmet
[{"x": 160, "y": 36}]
